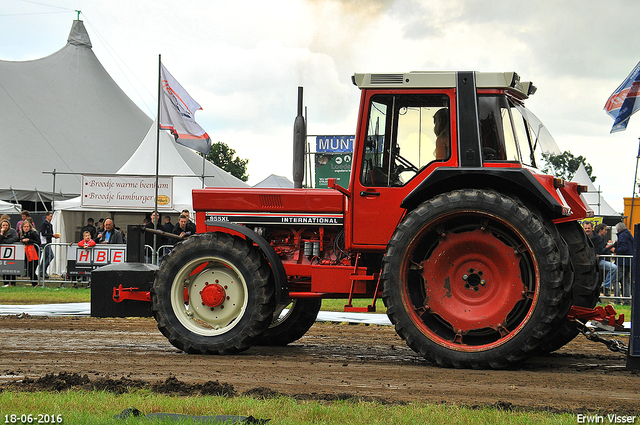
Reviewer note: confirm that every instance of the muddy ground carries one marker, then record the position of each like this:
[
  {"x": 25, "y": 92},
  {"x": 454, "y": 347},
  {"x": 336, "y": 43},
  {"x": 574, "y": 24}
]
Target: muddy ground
[{"x": 333, "y": 361}]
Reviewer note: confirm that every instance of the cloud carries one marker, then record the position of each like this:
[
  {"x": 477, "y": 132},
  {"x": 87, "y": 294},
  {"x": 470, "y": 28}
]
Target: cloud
[{"x": 243, "y": 61}]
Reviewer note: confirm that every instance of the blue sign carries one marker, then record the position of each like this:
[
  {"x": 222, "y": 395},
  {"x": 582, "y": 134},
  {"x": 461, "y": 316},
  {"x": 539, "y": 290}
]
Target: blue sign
[{"x": 334, "y": 143}]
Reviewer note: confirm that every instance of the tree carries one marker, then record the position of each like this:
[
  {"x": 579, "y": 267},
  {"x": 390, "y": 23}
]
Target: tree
[
  {"x": 565, "y": 165},
  {"x": 223, "y": 156}
]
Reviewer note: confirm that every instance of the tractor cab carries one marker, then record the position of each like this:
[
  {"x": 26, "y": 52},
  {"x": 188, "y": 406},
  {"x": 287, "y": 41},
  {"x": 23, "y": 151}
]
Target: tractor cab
[
  {"x": 421, "y": 125},
  {"x": 416, "y": 125}
]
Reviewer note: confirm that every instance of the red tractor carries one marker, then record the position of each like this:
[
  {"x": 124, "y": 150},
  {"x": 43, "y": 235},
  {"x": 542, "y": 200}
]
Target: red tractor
[{"x": 476, "y": 254}]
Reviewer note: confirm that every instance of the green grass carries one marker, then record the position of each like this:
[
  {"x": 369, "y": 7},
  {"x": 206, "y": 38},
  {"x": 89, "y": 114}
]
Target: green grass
[
  {"x": 338, "y": 304},
  {"x": 624, "y": 309},
  {"x": 99, "y": 407},
  {"x": 53, "y": 293}
]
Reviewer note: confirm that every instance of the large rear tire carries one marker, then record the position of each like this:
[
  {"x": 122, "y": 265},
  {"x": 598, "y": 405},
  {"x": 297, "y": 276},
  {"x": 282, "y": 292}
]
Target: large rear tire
[
  {"x": 293, "y": 324},
  {"x": 473, "y": 279},
  {"x": 213, "y": 295}
]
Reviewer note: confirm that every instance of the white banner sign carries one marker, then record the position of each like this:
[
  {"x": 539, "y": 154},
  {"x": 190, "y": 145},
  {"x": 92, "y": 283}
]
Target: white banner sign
[{"x": 126, "y": 192}]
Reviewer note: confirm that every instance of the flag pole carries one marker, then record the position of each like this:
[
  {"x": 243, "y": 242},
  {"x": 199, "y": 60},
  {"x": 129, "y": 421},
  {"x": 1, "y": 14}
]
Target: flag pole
[
  {"x": 633, "y": 195},
  {"x": 203, "y": 159},
  {"x": 154, "y": 254}
]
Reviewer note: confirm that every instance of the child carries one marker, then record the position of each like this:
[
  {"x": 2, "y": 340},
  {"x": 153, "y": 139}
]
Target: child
[
  {"x": 86, "y": 242},
  {"x": 31, "y": 239}
]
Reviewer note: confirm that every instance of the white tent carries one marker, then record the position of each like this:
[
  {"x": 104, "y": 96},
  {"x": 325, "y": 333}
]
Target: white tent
[
  {"x": 63, "y": 112},
  {"x": 275, "y": 181},
  {"x": 175, "y": 160},
  {"x": 9, "y": 208},
  {"x": 595, "y": 199}
]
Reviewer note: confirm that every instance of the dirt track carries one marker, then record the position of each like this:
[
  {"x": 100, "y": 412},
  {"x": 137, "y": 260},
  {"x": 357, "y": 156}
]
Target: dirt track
[{"x": 350, "y": 360}]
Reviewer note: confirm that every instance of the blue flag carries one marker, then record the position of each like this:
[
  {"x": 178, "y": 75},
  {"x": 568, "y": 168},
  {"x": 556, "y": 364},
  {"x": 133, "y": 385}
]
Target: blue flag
[{"x": 622, "y": 102}]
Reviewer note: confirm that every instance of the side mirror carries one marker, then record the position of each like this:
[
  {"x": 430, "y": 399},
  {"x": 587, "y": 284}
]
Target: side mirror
[{"x": 331, "y": 184}]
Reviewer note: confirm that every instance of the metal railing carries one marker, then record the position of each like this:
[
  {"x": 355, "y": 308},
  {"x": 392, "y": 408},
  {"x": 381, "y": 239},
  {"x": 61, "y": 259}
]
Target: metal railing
[
  {"x": 40, "y": 277},
  {"x": 616, "y": 277},
  {"x": 160, "y": 252},
  {"x": 15, "y": 264},
  {"x": 52, "y": 247}
]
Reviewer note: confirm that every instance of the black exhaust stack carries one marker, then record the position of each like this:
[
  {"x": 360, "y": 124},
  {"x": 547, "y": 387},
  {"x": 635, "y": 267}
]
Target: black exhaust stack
[{"x": 299, "y": 142}]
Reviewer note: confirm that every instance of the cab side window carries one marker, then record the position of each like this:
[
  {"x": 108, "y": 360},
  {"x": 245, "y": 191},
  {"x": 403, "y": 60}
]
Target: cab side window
[
  {"x": 497, "y": 134},
  {"x": 405, "y": 132}
]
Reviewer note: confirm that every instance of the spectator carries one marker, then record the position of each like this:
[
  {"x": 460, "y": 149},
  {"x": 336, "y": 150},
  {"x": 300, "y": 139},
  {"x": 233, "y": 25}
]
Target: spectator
[
  {"x": 29, "y": 237},
  {"x": 148, "y": 236},
  {"x": 190, "y": 225},
  {"x": 110, "y": 235},
  {"x": 100, "y": 228},
  {"x": 607, "y": 267},
  {"x": 624, "y": 246},
  {"x": 89, "y": 228},
  {"x": 87, "y": 241},
  {"x": 168, "y": 226},
  {"x": 25, "y": 214},
  {"x": 7, "y": 236},
  {"x": 47, "y": 235},
  {"x": 182, "y": 229}
]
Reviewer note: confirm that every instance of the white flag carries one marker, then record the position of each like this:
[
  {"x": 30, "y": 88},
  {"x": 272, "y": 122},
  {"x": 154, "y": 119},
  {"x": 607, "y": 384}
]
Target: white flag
[{"x": 177, "y": 114}]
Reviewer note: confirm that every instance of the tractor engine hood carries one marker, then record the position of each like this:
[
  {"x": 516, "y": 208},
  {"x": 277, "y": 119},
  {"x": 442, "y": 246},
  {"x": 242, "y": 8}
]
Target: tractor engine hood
[{"x": 266, "y": 201}]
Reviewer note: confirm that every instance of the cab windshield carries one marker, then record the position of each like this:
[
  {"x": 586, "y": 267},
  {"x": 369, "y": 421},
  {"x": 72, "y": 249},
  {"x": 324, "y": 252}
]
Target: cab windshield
[
  {"x": 533, "y": 137},
  {"x": 510, "y": 132}
]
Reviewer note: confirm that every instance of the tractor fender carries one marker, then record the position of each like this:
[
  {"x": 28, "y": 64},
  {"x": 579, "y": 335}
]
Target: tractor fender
[
  {"x": 519, "y": 182},
  {"x": 279, "y": 273}
]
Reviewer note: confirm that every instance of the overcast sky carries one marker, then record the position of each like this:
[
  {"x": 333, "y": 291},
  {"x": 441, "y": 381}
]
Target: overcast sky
[{"x": 243, "y": 61}]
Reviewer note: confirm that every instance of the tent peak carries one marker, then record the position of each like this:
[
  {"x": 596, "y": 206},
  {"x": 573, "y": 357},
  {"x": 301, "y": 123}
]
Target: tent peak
[{"x": 78, "y": 36}]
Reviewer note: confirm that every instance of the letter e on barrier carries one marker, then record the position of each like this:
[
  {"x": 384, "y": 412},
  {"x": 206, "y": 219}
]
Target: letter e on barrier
[{"x": 117, "y": 255}]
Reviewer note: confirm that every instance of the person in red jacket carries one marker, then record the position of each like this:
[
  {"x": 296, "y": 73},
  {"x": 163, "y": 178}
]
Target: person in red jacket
[{"x": 86, "y": 242}]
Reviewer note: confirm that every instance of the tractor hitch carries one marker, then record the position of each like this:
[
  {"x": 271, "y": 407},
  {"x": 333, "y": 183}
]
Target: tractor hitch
[
  {"x": 604, "y": 316},
  {"x": 120, "y": 294}
]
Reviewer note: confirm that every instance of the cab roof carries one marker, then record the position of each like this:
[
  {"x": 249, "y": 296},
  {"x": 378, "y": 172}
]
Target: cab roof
[{"x": 444, "y": 79}]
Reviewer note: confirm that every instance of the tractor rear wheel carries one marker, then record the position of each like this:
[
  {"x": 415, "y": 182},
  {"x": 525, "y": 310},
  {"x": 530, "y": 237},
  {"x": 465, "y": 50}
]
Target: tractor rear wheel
[
  {"x": 290, "y": 325},
  {"x": 212, "y": 294},
  {"x": 473, "y": 279}
]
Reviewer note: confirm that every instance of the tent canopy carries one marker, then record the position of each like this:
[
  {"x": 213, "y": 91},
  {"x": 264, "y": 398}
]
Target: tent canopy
[
  {"x": 175, "y": 160},
  {"x": 63, "y": 112},
  {"x": 9, "y": 208},
  {"x": 595, "y": 199},
  {"x": 275, "y": 181}
]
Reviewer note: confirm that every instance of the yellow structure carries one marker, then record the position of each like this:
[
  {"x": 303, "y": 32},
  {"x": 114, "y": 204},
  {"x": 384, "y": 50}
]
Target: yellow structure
[{"x": 631, "y": 212}]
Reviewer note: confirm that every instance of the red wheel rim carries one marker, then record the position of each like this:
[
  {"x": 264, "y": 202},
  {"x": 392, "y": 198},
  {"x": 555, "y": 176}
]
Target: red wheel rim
[{"x": 470, "y": 282}]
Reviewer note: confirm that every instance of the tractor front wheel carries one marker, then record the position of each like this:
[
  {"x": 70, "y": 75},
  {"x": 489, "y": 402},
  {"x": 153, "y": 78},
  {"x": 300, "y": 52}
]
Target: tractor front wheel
[
  {"x": 212, "y": 294},
  {"x": 472, "y": 279}
]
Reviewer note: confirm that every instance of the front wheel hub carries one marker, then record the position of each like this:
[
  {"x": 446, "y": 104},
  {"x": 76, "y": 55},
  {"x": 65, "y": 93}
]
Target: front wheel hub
[{"x": 213, "y": 295}]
